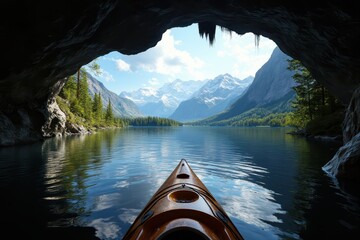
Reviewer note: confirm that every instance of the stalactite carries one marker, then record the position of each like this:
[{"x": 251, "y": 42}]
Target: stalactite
[
  {"x": 224, "y": 29},
  {"x": 207, "y": 29},
  {"x": 257, "y": 40}
]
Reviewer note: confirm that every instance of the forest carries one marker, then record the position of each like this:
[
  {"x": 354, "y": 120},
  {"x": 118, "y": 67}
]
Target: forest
[
  {"x": 314, "y": 111},
  {"x": 82, "y": 109}
]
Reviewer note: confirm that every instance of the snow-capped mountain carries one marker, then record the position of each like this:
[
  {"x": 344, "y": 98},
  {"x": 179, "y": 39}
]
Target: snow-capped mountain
[
  {"x": 215, "y": 96},
  {"x": 222, "y": 87},
  {"x": 162, "y": 102},
  {"x": 271, "y": 90}
]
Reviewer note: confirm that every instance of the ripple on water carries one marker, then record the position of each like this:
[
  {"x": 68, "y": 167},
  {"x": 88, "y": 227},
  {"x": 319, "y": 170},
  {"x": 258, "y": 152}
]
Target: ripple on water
[{"x": 266, "y": 181}]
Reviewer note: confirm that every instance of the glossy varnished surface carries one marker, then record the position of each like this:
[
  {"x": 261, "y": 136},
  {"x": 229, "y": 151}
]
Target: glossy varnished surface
[{"x": 183, "y": 204}]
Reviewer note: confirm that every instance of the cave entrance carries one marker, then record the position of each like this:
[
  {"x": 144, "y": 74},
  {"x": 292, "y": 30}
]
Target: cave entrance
[{"x": 182, "y": 59}]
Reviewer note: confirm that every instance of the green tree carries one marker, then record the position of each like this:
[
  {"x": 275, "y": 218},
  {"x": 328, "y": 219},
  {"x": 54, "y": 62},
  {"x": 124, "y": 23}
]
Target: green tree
[
  {"x": 312, "y": 101},
  {"x": 95, "y": 67},
  {"x": 75, "y": 100},
  {"x": 78, "y": 82},
  {"x": 69, "y": 89},
  {"x": 150, "y": 121},
  {"x": 97, "y": 108},
  {"x": 84, "y": 96},
  {"x": 109, "y": 115},
  {"x": 304, "y": 100}
]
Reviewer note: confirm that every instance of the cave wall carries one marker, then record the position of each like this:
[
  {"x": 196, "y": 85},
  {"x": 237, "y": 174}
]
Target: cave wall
[
  {"x": 44, "y": 42},
  {"x": 47, "y": 41}
]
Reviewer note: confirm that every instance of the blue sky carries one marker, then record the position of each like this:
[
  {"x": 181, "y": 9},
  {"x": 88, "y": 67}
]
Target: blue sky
[{"x": 183, "y": 54}]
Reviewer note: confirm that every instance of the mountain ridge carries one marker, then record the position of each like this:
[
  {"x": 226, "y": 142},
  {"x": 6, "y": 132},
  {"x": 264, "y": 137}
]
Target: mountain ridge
[
  {"x": 271, "y": 90},
  {"x": 163, "y": 101},
  {"x": 122, "y": 107},
  {"x": 213, "y": 97}
]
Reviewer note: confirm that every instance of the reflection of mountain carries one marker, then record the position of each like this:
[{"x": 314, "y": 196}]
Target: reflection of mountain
[
  {"x": 122, "y": 107},
  {"x": 163, "y": 101},
  {"x": 212, "y": 98}
]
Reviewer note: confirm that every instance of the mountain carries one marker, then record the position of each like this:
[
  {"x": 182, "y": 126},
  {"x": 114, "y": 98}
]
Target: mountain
[
  {"x": 122, "y": 107},
  {"x": 162, "y": 102},
  {"x": 271, "y": 91},
  {"x": 214, "y": 97}
]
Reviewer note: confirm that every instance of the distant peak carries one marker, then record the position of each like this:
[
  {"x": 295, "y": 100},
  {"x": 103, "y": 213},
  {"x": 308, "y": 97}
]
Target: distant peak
[{"x": 222, "y": 76}]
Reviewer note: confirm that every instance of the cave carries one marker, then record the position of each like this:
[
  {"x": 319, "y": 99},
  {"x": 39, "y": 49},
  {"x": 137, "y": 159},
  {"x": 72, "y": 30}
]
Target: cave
[{"x": 45, "y": 42}]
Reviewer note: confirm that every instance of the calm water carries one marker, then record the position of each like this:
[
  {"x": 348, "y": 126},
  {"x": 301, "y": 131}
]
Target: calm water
[{"x": 270, "y": 183}]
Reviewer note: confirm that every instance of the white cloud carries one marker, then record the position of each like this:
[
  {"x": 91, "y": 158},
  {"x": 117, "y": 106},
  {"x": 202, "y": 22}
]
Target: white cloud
[
  {"x": 105, "y": 229},
  {"x": 247, "y": 58},
  {"x": 122, "y": 65},
  {"x": 101, "y": 74},
  {"x": 179, "y": 55},
  {"x": 221, "y": 53},
  {"x": 106, "y": 75},
  {"x": 165, "y": 59},
  {"x": 129, "y": 215},
  {"x": 154, "y": 82},
  {"x": 106, "y": 201}
]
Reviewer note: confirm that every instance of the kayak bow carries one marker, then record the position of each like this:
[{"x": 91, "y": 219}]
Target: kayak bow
[{"x": 183, "y": 208}]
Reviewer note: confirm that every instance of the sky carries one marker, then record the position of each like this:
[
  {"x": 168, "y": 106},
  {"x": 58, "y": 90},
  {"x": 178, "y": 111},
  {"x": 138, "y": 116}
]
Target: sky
[{"x": 183, "y": 54}]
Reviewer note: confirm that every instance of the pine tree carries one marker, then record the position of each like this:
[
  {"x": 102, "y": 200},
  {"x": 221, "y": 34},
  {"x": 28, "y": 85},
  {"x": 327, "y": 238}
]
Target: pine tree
[
  {"x": 304, "y": 101},
  {"x": 78, "y": 83},
  {"x": 95, "y": 67},
  {"x": 81, "y": 107},
  {"x": 109, "y": 115},
  {"x": 98, "y": 108},
  {"x": 312, "y": 100},
  {"x": 84, "y": 96},
  {"x": 69, "y": 89}
]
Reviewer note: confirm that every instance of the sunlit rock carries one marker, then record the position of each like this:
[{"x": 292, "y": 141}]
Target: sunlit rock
[
  {"x": 55, "y": 121},
  {"x": 346, "y": 162},
  {"x": 351, "y": 125}
]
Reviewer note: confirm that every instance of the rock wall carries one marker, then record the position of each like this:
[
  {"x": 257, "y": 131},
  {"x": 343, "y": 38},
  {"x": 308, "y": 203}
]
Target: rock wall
[
  {"x": 32, "y": 121},
  {"x": 351, "y": 124},
  {"x": 346, "y": 162},
  {"x": 47, "y": 41}
]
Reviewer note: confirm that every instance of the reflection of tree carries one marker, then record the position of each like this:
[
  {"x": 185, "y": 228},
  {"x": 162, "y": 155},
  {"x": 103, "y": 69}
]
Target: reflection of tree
[
  {"x": 109, "y": 137},
  {"x": 71, "y": 162},
  {"x": 314, "y": 208},
  {"x": 300, "y": 200}
]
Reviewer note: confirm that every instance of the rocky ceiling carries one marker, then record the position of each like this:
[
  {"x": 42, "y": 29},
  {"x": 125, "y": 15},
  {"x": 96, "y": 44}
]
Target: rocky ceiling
[{"x": 43, "y": 42}]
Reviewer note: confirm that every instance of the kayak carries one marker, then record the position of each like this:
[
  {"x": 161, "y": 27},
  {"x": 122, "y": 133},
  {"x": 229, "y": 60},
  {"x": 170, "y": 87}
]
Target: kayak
[{"x": 183, "y": 208}]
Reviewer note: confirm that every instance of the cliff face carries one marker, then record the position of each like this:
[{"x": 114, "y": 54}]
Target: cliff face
[
  {"x": 44, "y": 42},
  {"x": 122, "y": 107},
  {"x": 273, "y": 82}
]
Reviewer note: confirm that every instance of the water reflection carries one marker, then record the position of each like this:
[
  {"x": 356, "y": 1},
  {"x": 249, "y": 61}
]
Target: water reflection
[
  {"x": 230, "y": 172},
  {"x": 253, "y": 205},
  {"x": 270, "y": 183},
  {"x": 106, "y": 229}
]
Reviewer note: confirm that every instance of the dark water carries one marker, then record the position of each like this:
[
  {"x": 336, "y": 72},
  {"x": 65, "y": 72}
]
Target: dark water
[{"x": 92, "y": 187}]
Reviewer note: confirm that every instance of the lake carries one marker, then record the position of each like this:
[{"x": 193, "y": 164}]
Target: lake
[{"x": 93, "y": 186}]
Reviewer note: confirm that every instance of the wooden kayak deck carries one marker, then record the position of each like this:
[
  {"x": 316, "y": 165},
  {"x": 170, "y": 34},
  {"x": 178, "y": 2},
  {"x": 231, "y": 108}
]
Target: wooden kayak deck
[{"x": 183, "y": 208}]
